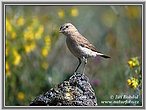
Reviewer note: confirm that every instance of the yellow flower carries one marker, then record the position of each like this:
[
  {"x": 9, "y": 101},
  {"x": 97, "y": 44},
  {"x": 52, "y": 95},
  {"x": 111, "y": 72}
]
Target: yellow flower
[
  {"x": 47, "y": 40},
  {"x": 30, "y": 47},
  {"x": 17, "y": 58},
  {"x": 130, "y": 63},
  {"x": 45, "y": 65},
  {"x": 20, "y": 96},
  {"x": 38, "y": 34},
  {"x": 8, "y": 73},
  {"x": 61, "y": 13},
  {"x": 135, "y": 59},
  {"x": 29, "y": 35},
  {"x": 8, "y": 25},
  {"x": 45, "y": 52},
  {"x": 13, "y": 35},
  {"x": 27, "y": 48},
  {"x": 74, "y": 12},
  {"x": 133, "y": 62},
  {"x": 20, "y": 21},
  {"x": 7, "y": 66},
  {"x": 133, "y": 82},
  {"x": 133, "y": 12},
  {"x": 129, "y": 82}
]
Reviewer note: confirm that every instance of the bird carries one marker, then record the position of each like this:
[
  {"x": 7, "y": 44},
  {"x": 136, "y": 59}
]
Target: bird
[{"x": 79, "y": 46}]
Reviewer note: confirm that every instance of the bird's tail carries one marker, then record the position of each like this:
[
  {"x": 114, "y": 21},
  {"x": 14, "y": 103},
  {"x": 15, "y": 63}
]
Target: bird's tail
[{"x": 103, "y": 55}]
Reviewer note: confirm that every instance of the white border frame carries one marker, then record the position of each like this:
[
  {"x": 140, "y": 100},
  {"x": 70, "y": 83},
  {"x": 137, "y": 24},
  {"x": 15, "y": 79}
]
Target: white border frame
[{"x": 80, "y": 4}]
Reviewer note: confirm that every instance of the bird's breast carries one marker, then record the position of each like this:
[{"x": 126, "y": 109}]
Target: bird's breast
[{"x": 73, "y": 47}]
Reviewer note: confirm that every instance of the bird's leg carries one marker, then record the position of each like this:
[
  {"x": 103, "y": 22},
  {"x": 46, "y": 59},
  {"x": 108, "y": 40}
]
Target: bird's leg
[
  {"x": 78, "y": 64},
  {"x": 85, "y": 62}
]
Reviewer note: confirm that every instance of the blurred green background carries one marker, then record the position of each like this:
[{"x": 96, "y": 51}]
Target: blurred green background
[{"x": 37, "y": 57}]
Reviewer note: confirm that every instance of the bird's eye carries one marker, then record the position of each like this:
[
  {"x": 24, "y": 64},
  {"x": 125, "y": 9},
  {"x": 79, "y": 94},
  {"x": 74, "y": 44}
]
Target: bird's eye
[{"x": 66, "y": 26}]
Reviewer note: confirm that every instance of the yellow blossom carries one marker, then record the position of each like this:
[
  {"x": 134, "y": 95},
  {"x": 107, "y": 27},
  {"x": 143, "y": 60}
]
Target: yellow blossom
[
  {"x": 61, "y": 13},
  {"x": 133, "y": 82},
  {"x": 8, "y": 73},
  {"x": 27, "y": 48},
  {"x": 45, "y": 65},
  {"x": 20, "y": 21},
  {"x": 30, "y": 47},
  {"x": 29, "y": 35},
  {"x": 133, "y": 62},
  {"x": 133, "y": 12},
  {"x": 130, "y": 63},
  {"x": 129, "y": 82},
  {"x": 45, "y": 52},
  {"x": 13, "y": 34},
  {"x": 17, "y": 58},
  {"x": 33, "y": 46},
  {"x": 47, "y": 40},
  {"x": 8, "y": 25},
  {"x": 38, "y": 34},
  {"x": 20, "y": 96},
  {"x": 7, "y": 66},
  {"x": 74, "y": 12}
]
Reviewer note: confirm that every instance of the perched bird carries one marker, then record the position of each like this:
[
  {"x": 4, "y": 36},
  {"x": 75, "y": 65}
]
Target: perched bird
[{"x": 79, "y": 46}]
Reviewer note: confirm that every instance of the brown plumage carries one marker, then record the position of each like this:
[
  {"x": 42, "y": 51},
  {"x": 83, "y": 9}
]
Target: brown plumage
[{"x": 78, "y": 44}]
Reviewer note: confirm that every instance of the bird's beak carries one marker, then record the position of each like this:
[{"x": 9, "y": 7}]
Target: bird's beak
[{"x": 61, "y": 29}]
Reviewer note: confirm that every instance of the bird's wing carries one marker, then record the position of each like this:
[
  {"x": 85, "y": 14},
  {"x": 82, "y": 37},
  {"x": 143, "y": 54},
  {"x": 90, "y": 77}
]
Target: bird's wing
[{"x": 82, "y": 41}]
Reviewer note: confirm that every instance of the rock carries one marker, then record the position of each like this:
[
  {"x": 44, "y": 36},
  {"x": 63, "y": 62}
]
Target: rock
[{"x": 77, "y": 91}]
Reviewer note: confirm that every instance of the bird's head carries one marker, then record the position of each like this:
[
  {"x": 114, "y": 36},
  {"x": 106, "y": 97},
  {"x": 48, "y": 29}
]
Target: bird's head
[{"x": 68, "y": 29}]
